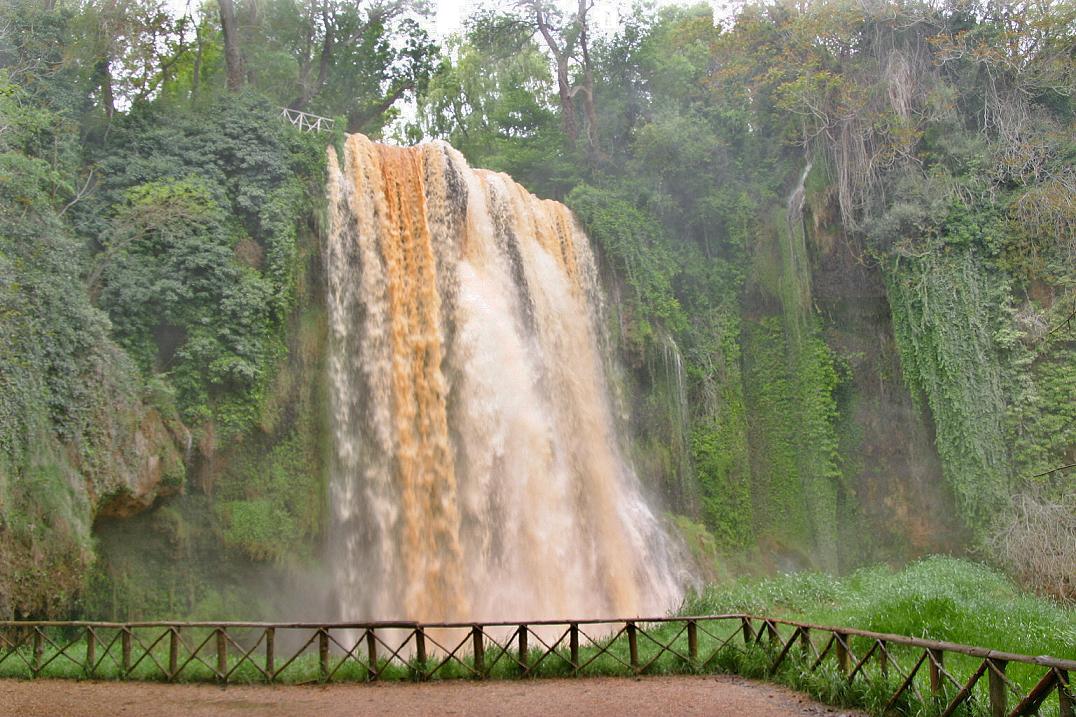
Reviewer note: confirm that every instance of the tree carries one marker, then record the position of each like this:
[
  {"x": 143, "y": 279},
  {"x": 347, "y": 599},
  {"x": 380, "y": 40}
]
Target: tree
[
  {"x": 544, "y": 17},
  {"x": 493, "y": 98},
  {"x": 568, "y": 42},
  {"x": 232, "y": 56},
  {"x": 587, "y": 85},
  {"x": 132, "y": 46},
  {"x": 338, "y": 57}
]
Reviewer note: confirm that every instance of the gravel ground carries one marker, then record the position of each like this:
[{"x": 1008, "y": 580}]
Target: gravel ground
[{"x": 659, "y": 696}]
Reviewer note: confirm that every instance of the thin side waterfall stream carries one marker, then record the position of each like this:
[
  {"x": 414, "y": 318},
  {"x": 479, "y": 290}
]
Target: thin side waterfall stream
[{"x": 477, "y": 470}]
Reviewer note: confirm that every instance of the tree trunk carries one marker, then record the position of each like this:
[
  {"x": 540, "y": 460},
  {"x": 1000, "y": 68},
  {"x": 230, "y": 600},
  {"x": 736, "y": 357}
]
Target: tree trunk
[
  {"x": 326, "y": 55},
  {"x": 588, "y": 86},
  {"x": 564, "y": 85},
  {"x": 567, "y": 105},
  {"x": 103, "y": 70},
  {"x": 232, "y": 57},
  {"x": 309, "y": 89},
  {"x": 196, "y": 72},
  {"x": 305, "y": 63},
  {"x": 357, "y": 121}
]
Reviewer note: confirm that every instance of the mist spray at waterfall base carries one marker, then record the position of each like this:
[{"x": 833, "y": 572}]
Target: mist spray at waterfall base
[{"x": 477, "y": 471}]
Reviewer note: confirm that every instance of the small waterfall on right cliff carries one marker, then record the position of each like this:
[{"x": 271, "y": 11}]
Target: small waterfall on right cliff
[
  {"x": 798, "y": 269},
  {"x": 477, "y": 473}
]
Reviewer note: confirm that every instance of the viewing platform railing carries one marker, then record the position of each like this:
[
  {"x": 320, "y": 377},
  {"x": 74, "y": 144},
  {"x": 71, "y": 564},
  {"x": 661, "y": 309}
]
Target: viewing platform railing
[
  {"x": 306, "y": 122},
  {"x": 947, "y": 676}
]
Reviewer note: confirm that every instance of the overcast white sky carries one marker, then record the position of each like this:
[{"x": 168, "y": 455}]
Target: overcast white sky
[{"x": 450, "y": 14}]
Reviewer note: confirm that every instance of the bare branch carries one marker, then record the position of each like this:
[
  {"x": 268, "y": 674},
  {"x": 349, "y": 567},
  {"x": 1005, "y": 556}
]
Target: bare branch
[{"x": 86, "y": 189}]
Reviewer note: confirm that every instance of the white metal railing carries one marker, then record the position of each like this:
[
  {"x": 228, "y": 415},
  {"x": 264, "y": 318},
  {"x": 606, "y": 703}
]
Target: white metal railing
[{"x": 306, "y": 122}]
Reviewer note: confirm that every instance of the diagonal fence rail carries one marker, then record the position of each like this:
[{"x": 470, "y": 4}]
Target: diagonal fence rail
[{"x": 909, "y": 673}]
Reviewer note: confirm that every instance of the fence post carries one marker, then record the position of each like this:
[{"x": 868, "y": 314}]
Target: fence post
[
  {"x": 999, "y": 705},
  {"x": 222, "y": 654},
  {"x": 91, "y": 652},
  {"x": 633, "y": 646},
  {"x": 805, "y": 642},
  {"x": 573, "y": 643},
  {"x": 523, "y": 649},
  {"x": 173, "y": 652},
  {"x": 840, "y": 642},
  {"x": 692, "y": 641},
  {"x": 883, "y": 658},
  {"x": 270, "y": 649},
  {"x": 420, "y": 651},
  {"x": 479, "y": 650},
  {"x": 936, "y": 659},
  {"x": 748, "y": 630},
  {"x": 1064, "y": 694},
  {"x": 323, "y": 654},
  {"x": 125, "y": 649},
  {"x": 772, "y": 635},
  {"x": 371, "y": 653},
  {"x": 38, "y": 649}
]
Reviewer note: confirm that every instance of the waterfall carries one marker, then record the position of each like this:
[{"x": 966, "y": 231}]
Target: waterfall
[
  {"x": 676, "y": 385},
  {"x": 477, "y": 472},
  {"x": 798, "y": 267}
]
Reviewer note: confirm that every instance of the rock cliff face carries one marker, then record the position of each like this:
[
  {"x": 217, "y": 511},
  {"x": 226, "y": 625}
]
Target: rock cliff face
[
  {"x": 252, "y": 508},
  {"x": 887, "y": 441},
  {"x": 801, "y": 443},
  {"x": 148, "y": 464},
  {"x": 127, "y": 454}
]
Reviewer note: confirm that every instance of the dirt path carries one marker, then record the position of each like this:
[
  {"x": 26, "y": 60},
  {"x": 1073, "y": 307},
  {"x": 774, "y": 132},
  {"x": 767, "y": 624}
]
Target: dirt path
[{"x": 659, "y": 696}]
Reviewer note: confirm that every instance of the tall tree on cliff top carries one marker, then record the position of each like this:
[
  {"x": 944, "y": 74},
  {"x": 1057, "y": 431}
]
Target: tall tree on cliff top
[
  {"x": 337, "y": 57},
  {"x": 494, "y": 99},
  {"x": 569, "y": 43},
  {"x": 232, "y": 56},
  {"x": 132, "y": 46}
]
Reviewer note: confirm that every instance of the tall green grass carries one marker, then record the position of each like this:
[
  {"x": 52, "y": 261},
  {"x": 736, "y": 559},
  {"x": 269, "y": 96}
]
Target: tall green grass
[{"x": 938, "y": 598}]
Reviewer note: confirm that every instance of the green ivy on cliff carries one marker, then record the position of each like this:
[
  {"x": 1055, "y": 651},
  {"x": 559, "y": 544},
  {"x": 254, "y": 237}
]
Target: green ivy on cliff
[
  {"x": 633, "y": 244},
  {"x": 197, "y": 222},
  {"x": 73, "y": 426}
]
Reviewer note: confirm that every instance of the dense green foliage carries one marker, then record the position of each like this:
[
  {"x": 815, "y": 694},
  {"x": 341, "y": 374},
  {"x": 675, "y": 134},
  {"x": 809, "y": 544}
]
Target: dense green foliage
[
  {"x": 197, "y": 224},
  {"x": 71, "y": 404},
  {"x": 945, "y": 314},
  {"x": 152, "y": 268}
]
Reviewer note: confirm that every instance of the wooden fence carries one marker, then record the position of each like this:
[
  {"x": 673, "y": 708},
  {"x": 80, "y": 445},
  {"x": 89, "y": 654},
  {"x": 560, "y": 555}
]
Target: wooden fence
[
  {"x": 306, "y": 122},
  {"x": 949, "y": 676}
]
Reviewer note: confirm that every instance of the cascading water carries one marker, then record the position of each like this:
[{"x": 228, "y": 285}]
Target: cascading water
[
  {"x": 477, "y": 471},
  {"x": 676, "y": 385},
  {"x": 798, "y": 265}
]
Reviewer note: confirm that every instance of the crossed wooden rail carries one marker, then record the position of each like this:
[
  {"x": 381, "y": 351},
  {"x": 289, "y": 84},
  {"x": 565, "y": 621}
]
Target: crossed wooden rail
[{"x": 271, "y": 652}]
